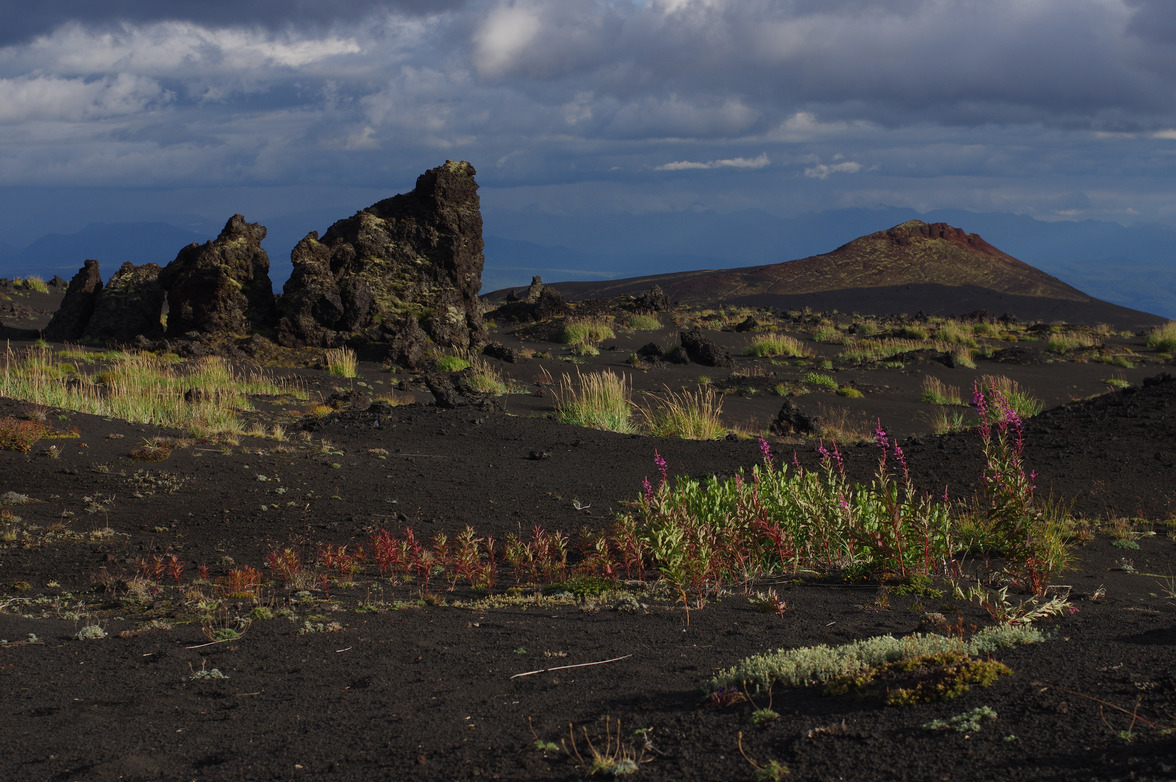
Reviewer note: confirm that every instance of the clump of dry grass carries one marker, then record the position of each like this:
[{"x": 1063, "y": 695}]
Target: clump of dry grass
[
  {"x": 341, "y": 362},
  {"x": 937, "y": 392},
  {"x": 203, "y": 396},
  {"x": 772, "y": 345},
  {"x": 597, "y": 400},
  {"x": 1163, "y": 338},
  {"x": 688, "y": 415},
  {"x": 586, "y": 331}
]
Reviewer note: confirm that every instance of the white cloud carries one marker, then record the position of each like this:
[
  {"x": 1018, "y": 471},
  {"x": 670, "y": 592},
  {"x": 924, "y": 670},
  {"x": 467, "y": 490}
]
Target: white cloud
[
  {"x": 504, "y": 37},
  {"x": 760, "y": 161},
  {"x": 180, "y": 48},
  {"x": 822, "y": 170},
  {"x": 40, "y": 98}
]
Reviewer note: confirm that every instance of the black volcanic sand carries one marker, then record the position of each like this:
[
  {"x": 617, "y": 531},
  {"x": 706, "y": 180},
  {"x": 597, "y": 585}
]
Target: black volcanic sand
[{"x": 408, "y": 691}]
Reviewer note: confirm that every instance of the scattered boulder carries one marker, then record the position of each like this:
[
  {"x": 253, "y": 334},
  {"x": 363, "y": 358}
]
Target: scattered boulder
[
  {"x": 650, "y": 352},
  {"x": 221, "y": 287},
  {"x": 130, "y": 305},
  {"x": 501, "y": 352},
  {"x": 792, "y": 421},
  {"x": 653, "y": 300},
  {"x": 418, "y": 254},
  {"x": 540, "y": 303},
  {"x": 748, "y": 324},
  {"x": 702, "y": 350},
  {"x": 76, "y": 308}
]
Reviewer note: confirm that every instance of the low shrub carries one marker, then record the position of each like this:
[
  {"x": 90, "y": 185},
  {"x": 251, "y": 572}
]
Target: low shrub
[
  {"x": 20, "y": 435},
  {"x": 819, "y": 379},
  {"x": 823, "y": 664}
]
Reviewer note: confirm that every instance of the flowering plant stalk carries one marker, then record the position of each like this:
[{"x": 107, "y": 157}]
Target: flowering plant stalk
[{"x": 1034, "y": 548}]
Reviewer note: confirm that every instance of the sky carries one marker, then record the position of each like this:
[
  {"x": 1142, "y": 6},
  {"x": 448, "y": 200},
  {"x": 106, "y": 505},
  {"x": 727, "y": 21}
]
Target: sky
[{"x": 187, "y": 111}]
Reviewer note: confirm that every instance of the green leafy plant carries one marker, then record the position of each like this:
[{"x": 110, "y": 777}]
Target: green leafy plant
[
  {"x": 819, "y": 379},
  {"x": 1035, "y": 547}
]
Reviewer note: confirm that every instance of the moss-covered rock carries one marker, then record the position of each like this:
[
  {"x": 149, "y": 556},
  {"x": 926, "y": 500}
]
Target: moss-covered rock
[
  {"x": 413, "y": 257},
  {"x": 221, "y": 287}
]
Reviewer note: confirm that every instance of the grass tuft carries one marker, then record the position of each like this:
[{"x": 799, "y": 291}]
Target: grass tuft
[
  {"x": 587, "y": 331},
  {"x": 772, "y": 345},
  {"x": 936, "y": 392},
  {"x": 1163, "y": 338},
  {"x": 341, "y": 362},
  {"x": 690, "y": 416},
  {"x": 598, "y": 400}
]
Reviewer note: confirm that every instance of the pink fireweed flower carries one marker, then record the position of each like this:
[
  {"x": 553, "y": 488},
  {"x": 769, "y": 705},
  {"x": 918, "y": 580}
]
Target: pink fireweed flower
[
  {"x": 662, "y": 467},
  {"x": 898, "y": 454},
  {"x": 838, "y": 460},
  {"x": 647, "y": 487},
  {"x": 880, "y": 436},
  {"x": 765, "y": 450}
]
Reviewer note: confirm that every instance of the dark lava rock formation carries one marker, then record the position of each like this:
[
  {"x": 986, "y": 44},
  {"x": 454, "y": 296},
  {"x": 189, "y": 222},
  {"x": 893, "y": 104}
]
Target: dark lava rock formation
[
  {"x": 415, "y": 255},
  {"x": 69, "y": 322},
  {"x": 223, "y": 286},
  {"x": 401, "y": 275},
  {"x": 129, "y": 307},
  {"x": 540, "y": 303},
  {"x": 702, "y": 350}
]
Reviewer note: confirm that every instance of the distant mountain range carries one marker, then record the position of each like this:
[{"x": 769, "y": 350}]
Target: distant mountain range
[
  {"x": 1133, "y": 266},
  {"x": 112, "y": 244}
]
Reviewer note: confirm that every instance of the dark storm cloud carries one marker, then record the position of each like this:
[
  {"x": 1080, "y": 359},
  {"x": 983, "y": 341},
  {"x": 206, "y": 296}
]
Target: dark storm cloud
[
  {"x": 886, "y": 96},
  {"x": 1069, "y": 63}
]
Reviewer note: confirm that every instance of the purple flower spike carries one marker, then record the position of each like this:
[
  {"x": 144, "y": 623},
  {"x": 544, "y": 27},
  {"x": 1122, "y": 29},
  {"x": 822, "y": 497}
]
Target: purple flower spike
[
  {"x": 880, "y": 436},
  {"x": 765, "y": 450}
]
